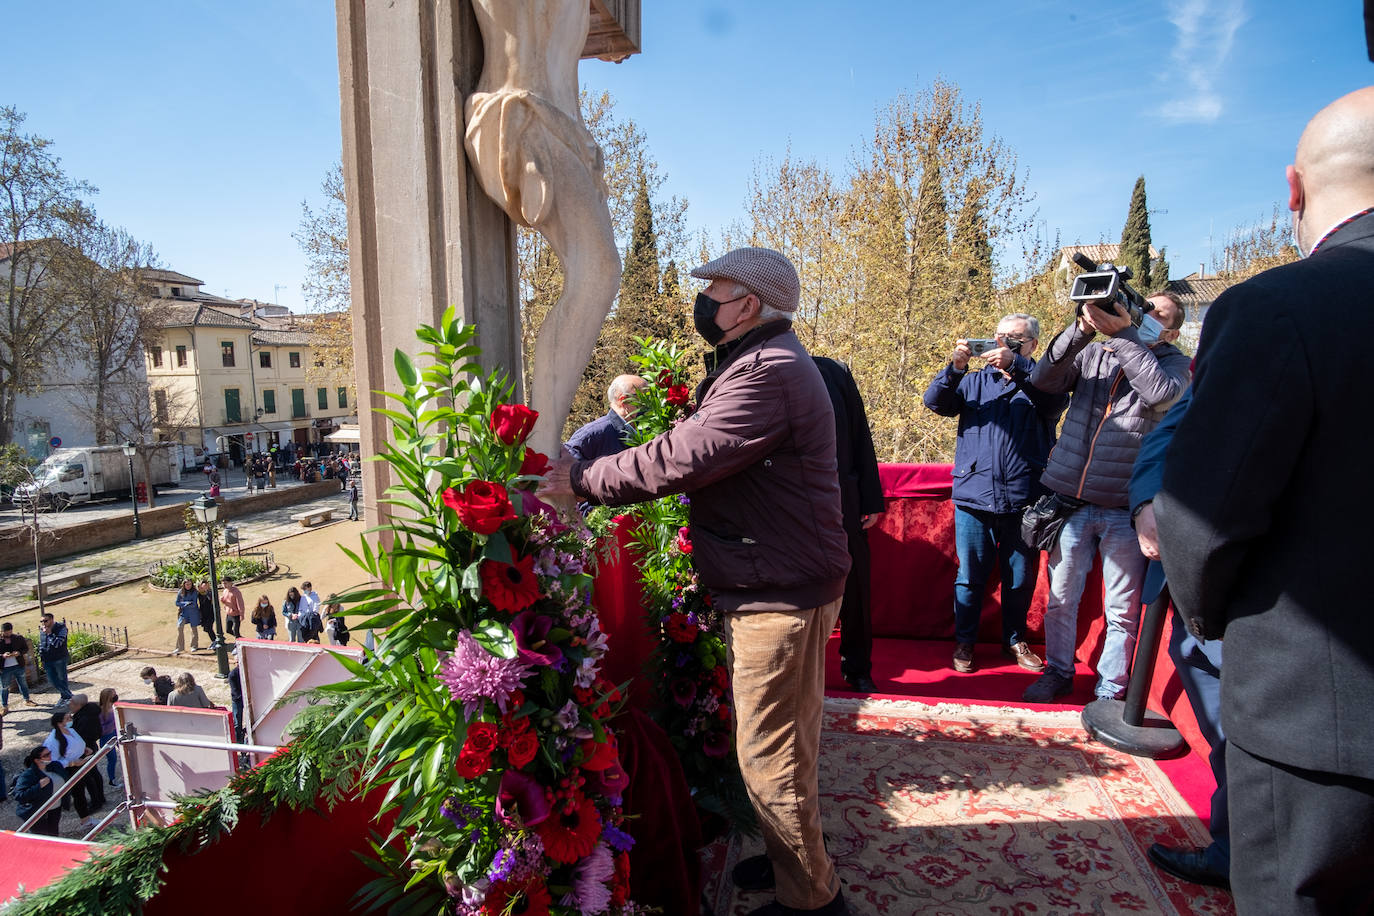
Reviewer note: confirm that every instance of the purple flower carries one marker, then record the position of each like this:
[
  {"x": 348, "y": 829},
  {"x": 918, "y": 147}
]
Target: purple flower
[
  {"x": 591, "y": 892},
  {"x": 684, "y": 691},
  {"x": 567, "y": 717},
  {"x": 502, "y": 864},
  {"x": 520, "y": 800},
  {"x": 531, "y": 636},
  {"x": 473, "y": 676},
  {"x": 682, "y": 499},
  {"x": 618, "y": 838},
  {"x": 717, "y": 744}
]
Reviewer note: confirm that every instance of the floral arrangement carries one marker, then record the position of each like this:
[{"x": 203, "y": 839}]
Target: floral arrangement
[
  {"x": 689, "y": 674},
  {"x": 482, "y": 713}
]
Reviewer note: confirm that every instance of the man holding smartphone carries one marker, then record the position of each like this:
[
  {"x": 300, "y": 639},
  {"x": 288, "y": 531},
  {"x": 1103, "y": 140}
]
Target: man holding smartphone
[{"x": 1006, "y": 429}]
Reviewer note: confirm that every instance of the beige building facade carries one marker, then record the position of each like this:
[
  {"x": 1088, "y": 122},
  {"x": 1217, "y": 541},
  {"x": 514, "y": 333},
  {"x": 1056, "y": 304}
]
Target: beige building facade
[{"x": 225, "y": 376}]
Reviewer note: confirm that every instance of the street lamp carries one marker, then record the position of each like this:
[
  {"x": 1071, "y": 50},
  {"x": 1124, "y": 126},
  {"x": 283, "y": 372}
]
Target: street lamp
[
  {"x": 129, "y": 451},
  {"x": 207, "y": 511}
]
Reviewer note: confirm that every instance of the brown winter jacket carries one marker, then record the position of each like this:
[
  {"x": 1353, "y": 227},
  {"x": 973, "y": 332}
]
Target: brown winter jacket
[
  {"x": 1121, "y": 390},
  {"x": 757, "y": 460}
]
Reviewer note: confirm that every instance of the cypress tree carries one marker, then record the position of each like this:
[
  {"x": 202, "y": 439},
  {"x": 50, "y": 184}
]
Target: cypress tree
[
  {"x": 639, "y": 281},
  {"x": 932, "y": 227},
  {"x": 672, "y": 285},
  {"x": 971, "y": 245},
  {"x": 1135, "y": 238}
]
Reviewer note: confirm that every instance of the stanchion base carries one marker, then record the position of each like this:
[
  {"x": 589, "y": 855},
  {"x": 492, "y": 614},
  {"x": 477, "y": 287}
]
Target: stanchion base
[{"x": 1155, "y": 737}]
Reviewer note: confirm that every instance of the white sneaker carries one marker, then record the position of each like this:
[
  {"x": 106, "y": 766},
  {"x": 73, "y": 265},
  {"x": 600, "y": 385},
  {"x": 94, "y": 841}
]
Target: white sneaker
[{"x": 176, "y": 651}]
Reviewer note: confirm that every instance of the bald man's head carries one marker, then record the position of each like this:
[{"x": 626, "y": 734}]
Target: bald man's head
[
  {"x": 622, "y": 392},
  {"x": 1332, "y": 175}
]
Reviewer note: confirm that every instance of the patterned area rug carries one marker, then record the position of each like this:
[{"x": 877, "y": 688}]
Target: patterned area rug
[{"x": 948, "y": 809}]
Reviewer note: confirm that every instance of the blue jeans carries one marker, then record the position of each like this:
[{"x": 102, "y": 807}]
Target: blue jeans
[
  {"x": 56, "y": 673},
  {"x": 12, "y": 675},
  {"x": 1199, "y": 669},
  {"x": 986, "y": 541},
  {"x": 1090, "y": 530}
]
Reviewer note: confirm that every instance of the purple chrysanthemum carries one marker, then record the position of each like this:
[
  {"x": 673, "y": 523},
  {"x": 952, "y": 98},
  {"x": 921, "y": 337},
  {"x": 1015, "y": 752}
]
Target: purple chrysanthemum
[
  {"x": 473, "y": 675},
  {"x": 591, "y": 893}
]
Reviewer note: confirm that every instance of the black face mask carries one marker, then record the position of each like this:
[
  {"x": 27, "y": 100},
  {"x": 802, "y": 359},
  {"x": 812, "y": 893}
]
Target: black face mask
[{"x": 704, "y": 318}]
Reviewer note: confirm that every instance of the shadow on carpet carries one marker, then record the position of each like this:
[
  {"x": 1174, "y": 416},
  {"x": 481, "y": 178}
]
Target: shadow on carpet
[{"x": 950, "y": 809}]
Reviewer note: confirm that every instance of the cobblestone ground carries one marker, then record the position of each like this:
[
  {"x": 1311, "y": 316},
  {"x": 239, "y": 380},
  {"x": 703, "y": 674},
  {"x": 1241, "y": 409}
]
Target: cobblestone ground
[{"x": 126, "y": 561}]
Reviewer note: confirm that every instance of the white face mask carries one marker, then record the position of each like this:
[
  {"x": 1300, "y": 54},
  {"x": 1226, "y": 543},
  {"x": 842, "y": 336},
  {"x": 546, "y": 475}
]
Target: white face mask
[
  {"x": 147, "y": 680},
  {"x": 1149, "y": 330}
]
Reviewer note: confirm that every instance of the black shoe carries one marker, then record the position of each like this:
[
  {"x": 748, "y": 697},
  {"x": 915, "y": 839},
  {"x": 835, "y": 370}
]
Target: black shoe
[
  {"x": 753, "y": 874},
  {"x": 836, "y": 907},
  {"x": 1190, "y": 865},
  {"x": 861, "y": 683}
]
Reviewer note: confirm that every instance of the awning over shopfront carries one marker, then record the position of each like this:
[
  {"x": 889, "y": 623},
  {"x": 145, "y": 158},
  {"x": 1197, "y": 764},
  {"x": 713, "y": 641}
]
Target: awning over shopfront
[{"x": 347, "y": 433}]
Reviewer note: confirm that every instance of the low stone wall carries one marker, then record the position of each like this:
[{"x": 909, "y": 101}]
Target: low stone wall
[{"x": 16, "y": 551}]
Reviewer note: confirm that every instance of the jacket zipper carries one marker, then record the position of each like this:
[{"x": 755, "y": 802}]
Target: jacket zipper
[{"x": 1083, "y": 478}]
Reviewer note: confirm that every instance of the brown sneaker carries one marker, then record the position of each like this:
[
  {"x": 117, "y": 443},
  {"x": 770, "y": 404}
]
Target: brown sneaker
[
  {"x": 30, "y": 703},
  {"x": 1023, "y": 656},
  {"x": 963, "y": 657}
]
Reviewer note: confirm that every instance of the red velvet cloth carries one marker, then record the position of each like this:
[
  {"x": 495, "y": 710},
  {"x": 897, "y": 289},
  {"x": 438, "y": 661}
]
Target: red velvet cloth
[{"x": 620, "y": 604}]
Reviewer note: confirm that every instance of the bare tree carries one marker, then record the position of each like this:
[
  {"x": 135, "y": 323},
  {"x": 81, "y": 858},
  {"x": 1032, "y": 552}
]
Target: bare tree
[
  {"x": 136, "y": 414},
  {"x": 39, "y": 204},
  {"x": 103, "y": 283}
]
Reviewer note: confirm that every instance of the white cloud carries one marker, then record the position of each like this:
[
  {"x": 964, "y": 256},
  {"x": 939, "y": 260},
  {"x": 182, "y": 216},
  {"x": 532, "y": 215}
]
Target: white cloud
[{"x": 1206, "y": 31}]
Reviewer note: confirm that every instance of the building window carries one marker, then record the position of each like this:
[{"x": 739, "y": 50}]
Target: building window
[
  {"x": 269, "y": 401},
  {"x": 343, "y": 398},
  {"x": 294, "y": 360},
  {"x": 322, "y": 395},
  {"x": 181, "y": 357},
  {"x": 226, "y": 352},
  {"x": 264, "y": 359},
  {"x": 176, "y": 291},
  {"x": 155, "y": 357},
  {"x": 231, "y": 406},
  {"x": 160, "y": 404},
  {"x": 297, "y": 403}
]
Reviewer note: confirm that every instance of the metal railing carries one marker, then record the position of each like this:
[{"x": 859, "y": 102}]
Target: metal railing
[{"x": 112, "y": 637}]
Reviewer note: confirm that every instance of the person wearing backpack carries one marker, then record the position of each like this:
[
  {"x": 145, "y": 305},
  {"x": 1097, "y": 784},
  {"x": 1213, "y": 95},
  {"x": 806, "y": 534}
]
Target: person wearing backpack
[{"x": 337, "y": 627}]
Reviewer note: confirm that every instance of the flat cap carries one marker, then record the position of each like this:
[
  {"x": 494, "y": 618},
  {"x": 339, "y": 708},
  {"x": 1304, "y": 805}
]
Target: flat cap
[{"x": 763, "y": 271}]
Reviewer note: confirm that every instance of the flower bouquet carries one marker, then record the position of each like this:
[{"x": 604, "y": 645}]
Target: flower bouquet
[
  {"x": 689, "y": 674},
  {"x": 481, "y": 714}
]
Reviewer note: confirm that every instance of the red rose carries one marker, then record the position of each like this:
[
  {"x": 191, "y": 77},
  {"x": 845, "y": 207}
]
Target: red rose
[
  {"x": 481, "y": 506},
  {"x": 523, "y": 747},
  {"x": 684, "y": 540},
  {"x": 509, "y": 587},
  {"x": 599, "y": 754},
  {"x": 482, "y": 738},
  {"x": 534, "y": 463},
  {"x": 678, "y": 395},
  {"x": 511, "y": 423},
  {"x": 679, "y": 628},
  {"x": 472, "y": 764},
  {"x": 665, "y": 378}
]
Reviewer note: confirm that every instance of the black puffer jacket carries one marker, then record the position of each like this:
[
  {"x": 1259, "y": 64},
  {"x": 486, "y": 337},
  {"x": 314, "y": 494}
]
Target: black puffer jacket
[{"x": 1121, "y": 390}]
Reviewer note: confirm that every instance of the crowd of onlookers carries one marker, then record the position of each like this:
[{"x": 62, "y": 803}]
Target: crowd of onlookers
[{"x": 302, "y": 615}]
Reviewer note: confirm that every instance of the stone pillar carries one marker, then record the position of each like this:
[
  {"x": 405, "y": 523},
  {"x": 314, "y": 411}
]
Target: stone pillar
[{"x": 421, "y": 233}]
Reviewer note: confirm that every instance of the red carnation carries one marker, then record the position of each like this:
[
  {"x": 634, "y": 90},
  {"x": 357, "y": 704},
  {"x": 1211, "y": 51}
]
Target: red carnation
[
  {"x": 679, "y": 628},
  {"x": 684, "y": 540},
  {"x": 472, "y": 764},
  {"x": 534, "y": 463},
  {"x": 677, "y": 395},
  {"x": 665, "y": 378},
  {"x": 481, "y": 506},
  {"x": 620, "y": 890},
  {"x": 523, "y": 746},
  {"x": 720, "y": 677},
  {"x": 510, "y": 586},
  {"x": 483, "y": 738},
  {"x": 511, "y": 423}
]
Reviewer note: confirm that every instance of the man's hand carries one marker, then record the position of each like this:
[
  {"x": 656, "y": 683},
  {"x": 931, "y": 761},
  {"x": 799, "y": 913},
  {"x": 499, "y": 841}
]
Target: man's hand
[
  {"x": 1146, "y": 532},
  {"x": 959, "y": 358},
  {"x": 1002, "y": 358},
  {"x": 557, "y": 482},
  {"x": 1105, "y": 321}
]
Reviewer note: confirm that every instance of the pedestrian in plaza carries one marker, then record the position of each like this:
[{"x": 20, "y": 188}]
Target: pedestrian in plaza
[
  {"x": 205, "y": 604},
  {"x": 291, "y": 613},
  {"x": 231, "y": 600},
  {"x": 162, "y": 685},
  {"x": 69, "y": 750},
  {"x": 86, "y": 723},
  {"x": 265, "y": 618},
  {"x": 353, "y": 501},
  {"x": 236, "y": 702},
  {"x": 34, "y": 786},
  {"x": 109, "y": 730},
  {"x": 52, "y": 649},
  {"x": 335, "y": 625},
  {"x": 188, "y": 614},
  {"x": 189, "y": 694},
  {"x": 14, "y": 651}
]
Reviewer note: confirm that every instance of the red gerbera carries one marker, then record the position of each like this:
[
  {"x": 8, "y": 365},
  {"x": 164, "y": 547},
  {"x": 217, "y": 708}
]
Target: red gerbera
[
  {"x": 679, "y": 628},
  {"x": 510, "y": 586},
  {"x": 570, "y": 835},
  {"x": 529, "y": 897}
]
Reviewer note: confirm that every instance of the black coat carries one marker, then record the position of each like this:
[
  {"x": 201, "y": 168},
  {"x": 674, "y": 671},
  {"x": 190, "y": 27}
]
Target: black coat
[
  {"x": 861, "y": 492},
  {"x": 86, "y": 723},
  {"x": 1263, "y": 529}
]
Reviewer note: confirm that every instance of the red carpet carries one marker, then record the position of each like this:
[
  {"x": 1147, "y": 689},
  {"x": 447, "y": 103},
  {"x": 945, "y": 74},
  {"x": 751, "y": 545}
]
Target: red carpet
[{"x": 956, "y": 809}]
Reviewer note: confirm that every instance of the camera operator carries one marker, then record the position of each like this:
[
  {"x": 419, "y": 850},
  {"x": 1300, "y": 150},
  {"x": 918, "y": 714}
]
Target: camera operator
[
  {"x": 1006, "y": 430},
  {"x": 1119, "y": 390}
]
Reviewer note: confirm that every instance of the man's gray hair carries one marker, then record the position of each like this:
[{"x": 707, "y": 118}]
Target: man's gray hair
[
  {"x": 622, "y": 386},
  {"x": 1032, "y": 323},
  {"x": 768, "y": 313}
]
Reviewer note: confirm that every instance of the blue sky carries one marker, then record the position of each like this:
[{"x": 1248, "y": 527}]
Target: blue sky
[{"x": 204, "y": 125}]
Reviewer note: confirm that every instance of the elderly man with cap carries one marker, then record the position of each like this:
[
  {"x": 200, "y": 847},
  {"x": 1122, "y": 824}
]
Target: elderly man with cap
[{"x": 758, "y": 460}]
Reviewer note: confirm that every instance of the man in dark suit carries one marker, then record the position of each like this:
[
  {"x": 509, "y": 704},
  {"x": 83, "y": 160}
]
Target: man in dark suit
[
  {"x": 1265, "y": 540},
  {"x": 861, "y": 502}
]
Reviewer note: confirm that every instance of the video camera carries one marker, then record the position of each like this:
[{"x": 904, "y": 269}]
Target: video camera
[
  {"x": 980, "y": 345},
  {"x": 1107, "y": 281}
]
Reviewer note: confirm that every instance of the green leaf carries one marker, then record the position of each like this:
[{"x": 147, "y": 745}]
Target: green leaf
[
  {"x": 498, "y": 548},
  {"x": 496, "y": 637},
  {"x": 405, "y": 369}
]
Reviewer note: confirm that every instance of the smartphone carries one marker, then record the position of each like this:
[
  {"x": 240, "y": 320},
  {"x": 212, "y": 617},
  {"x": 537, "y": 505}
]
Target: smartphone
[{"x": 982, "y": 345}]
